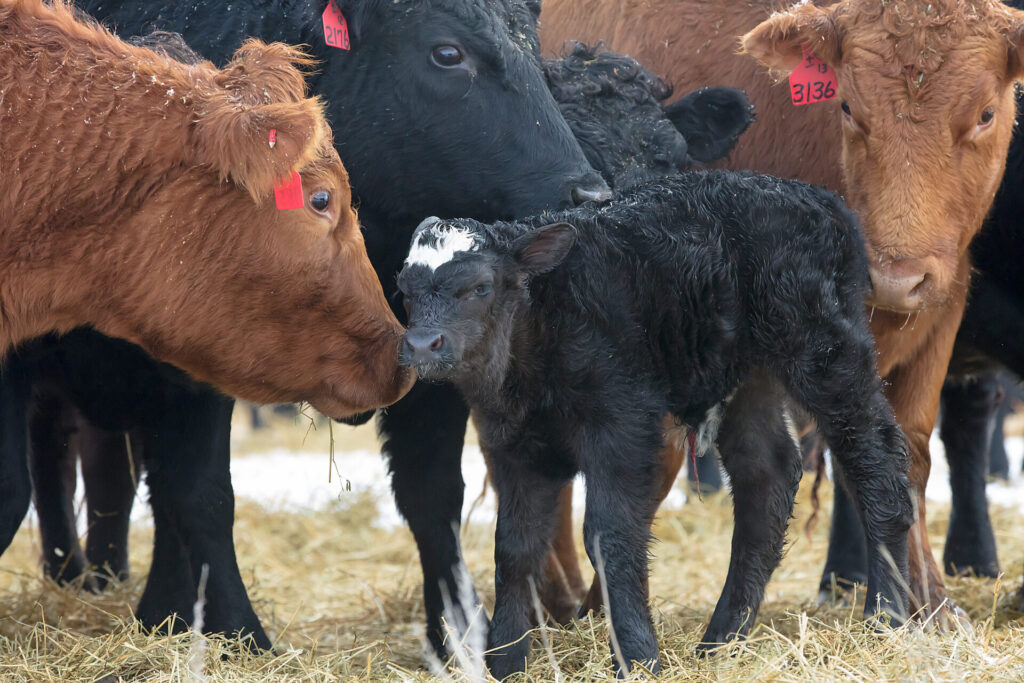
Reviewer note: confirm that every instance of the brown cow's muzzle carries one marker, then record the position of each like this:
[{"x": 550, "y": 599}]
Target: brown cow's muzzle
[{"x": 902, "y": 285}]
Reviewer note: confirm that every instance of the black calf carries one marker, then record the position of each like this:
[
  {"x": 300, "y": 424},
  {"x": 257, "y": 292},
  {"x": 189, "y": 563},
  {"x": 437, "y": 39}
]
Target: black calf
[{"x": 696, "y": 296}]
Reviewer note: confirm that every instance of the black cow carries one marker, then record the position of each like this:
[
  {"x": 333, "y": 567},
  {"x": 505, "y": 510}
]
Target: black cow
[
  {"x": 706, "y": 295},
  {"x": 614, "y": 107},
  {"x": 438, "y": 107}
]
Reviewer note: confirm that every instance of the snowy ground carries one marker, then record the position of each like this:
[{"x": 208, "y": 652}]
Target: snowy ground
[{"x": 280, "y": 479}]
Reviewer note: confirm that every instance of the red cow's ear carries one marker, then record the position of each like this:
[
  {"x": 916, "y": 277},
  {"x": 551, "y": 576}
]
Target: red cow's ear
[
  {"x": 778, "y": 42},
  {"x": 1015, "y": 60},
  {"x": 260, "y": 90}
]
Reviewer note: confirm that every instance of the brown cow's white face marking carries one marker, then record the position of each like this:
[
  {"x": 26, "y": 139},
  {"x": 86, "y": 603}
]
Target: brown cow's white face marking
[{"x": 927, "y": 115}]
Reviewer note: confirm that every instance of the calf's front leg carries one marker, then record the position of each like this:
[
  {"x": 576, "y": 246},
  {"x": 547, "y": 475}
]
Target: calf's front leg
[{"x": 527, "y": 509}]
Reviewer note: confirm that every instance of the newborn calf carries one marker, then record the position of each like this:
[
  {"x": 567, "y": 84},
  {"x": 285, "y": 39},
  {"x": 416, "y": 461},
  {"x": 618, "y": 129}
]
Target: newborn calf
[{"x": 572, "y": 335}]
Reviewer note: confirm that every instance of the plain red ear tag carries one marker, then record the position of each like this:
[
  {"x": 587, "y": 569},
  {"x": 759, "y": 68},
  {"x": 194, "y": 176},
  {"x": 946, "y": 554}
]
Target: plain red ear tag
[
  {"x": 335, "y": 27},
  {"x": 288, "y": 195},
  {"x": 812, "y": 81}
]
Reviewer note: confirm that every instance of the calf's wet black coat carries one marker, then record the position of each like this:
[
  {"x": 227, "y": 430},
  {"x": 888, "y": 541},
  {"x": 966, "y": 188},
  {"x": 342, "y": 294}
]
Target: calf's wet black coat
[
  {"x": 572, "y": 335},
  {"x": 439, "y": 107}
]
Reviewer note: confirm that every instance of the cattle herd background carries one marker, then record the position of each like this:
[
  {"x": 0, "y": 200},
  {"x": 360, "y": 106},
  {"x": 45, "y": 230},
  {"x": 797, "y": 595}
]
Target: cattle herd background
[{"x": 505, "y": 245}]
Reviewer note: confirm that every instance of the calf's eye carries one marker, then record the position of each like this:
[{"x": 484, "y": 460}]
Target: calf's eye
[
  {"x": 446, "y": 56},
  {"x": 320, "y": 200},
  {"x": 987, "y": 116},
  {"x": 482, "y": 290}
]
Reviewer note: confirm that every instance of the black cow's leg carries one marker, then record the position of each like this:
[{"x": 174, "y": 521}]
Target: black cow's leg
[
  {"x": 846, "y": 564},
  {"x": 760, "y": 452},
  {"x": 969, "y": 406},
  {"x": 527, "y": 510},
  {"x": 187, "y": 463},
  {"x": 15, "y": 485},
  {"x": 844, "y": 396},
  {"x": 53, "y": 471},
  {"x": 422, "y": 438},
  {"x": 110, "y": 474},
  {"x": 998, "y": 463},
  {"x": 620, "y": 463}
]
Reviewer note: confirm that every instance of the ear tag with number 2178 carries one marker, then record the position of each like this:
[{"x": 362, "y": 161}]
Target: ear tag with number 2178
[{"x": 812, "y": 81}]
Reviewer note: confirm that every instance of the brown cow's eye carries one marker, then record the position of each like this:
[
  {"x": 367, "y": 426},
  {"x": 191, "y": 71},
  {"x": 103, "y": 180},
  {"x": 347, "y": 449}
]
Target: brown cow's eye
[
  {"x": 987, "y": 116},
  {"x": 446, "y": 56},
  {"x": 320, "y": 200}
]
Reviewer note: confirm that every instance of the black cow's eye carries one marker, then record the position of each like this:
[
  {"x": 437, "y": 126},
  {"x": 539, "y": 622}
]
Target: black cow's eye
[
  {"x": 482, "y": 290},
  {"x": 446, "y": 56},
  {"x": 320, "y": 200},
  {"x": 845, "y": 107},
  {"x": 987, "y": 116}
]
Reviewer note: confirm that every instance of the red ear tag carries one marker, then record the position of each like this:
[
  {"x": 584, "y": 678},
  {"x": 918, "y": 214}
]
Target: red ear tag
[
  {"x": 335, "y": 27},
  {"x": 288, "y": 195},
  {"x": 812, "y": 81},
  {"x": 272, "y": 140}
]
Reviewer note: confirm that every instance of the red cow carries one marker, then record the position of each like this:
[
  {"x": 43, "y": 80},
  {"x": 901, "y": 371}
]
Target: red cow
[{"x": 136, "y": 196}]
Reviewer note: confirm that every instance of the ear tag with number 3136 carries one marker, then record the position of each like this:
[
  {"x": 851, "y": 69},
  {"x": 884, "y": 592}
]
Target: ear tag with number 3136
[{"x": 812, "y": 81}]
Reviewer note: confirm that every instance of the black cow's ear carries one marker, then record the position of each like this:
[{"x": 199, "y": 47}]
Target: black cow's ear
[
  {"x": 541, "y": 250},
  {"x": 711, "y": 120}
]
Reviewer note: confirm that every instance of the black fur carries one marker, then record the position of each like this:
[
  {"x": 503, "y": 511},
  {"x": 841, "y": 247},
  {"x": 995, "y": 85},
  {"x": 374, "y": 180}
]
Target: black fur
[
  {"x": 572, "y": 340},
  {"x": 615, "y": 108}
]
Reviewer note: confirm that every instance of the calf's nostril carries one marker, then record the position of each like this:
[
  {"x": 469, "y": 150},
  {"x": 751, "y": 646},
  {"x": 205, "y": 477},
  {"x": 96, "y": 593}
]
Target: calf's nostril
[
  {"x": 597, "y": 193},
  {"x": 437, "y": 343}
]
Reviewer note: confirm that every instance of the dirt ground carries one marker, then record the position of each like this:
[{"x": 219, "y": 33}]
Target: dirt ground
[{"x": 340, "y": 596}]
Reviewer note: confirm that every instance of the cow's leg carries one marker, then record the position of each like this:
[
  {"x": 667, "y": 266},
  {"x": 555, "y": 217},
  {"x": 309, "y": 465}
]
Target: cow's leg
[
  {"x": 843, "y": 394},
  {"x": 110, "y": 473},
  {"x": 969, "y": 405},
  {"x": 527, "y": 509},
  {"x": 998, "y": 462},
  {"x": 846, "y": 564},
  {"x": 15, "y": 484},
  {"x": 914, "y": 392},
  {"x": 53, "y": 470},
  {"x": 620, "y": 464},
  {"x": 672, "y": 455},
  {"x": 422, "y": 437},
  {"x": 760, "y": 452},
  {"x": 563, "y": 586},
  {"x": 187, "y": 463}
]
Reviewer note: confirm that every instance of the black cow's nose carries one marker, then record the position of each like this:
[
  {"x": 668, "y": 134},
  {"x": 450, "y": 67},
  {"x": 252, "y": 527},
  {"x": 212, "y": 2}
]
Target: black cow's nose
[
  {"x": 423, "y": 345},
  {"x": 593, "y": 191}
]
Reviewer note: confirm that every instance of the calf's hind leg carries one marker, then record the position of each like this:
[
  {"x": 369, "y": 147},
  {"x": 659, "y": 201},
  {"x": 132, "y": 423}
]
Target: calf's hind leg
[
  {"x": 839, "y": 386},
  {"x": 761, "y": 455}
]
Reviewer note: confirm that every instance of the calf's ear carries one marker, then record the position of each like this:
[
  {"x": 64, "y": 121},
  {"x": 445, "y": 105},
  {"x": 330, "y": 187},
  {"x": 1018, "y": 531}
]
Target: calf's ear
[
  {"x": 777, "y": 42},
  {"x": 1015, "y": 62},
  {"x": 542, "y": 249},
  {"x": 711, "y": 120}
]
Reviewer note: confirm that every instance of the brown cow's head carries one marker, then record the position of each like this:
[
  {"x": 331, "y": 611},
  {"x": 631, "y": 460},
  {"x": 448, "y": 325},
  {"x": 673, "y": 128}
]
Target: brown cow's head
[
  {"x": 926, "y": 102},
  {"x": 271, "y": 305}
]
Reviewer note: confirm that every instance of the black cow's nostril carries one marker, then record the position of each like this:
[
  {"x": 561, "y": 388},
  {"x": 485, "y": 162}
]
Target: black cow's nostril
[
  {"x": 595, "y": 193},
  {"x": 437, "y": 343},
  {"x": 423, "y": 346}
]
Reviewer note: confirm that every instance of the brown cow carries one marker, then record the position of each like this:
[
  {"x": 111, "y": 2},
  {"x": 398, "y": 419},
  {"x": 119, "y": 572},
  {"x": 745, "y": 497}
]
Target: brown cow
[
  {"x": 916, "y": 141},
  {"x": 136, "y": 197}
]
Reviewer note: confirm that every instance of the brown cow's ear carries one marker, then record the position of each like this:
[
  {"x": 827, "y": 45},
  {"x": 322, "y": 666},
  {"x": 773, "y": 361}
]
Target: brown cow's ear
[
  {"x": 1015, "y": 62},
  {"x": 236, "y": 140},
  {"x": 778, "y": 41}
]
